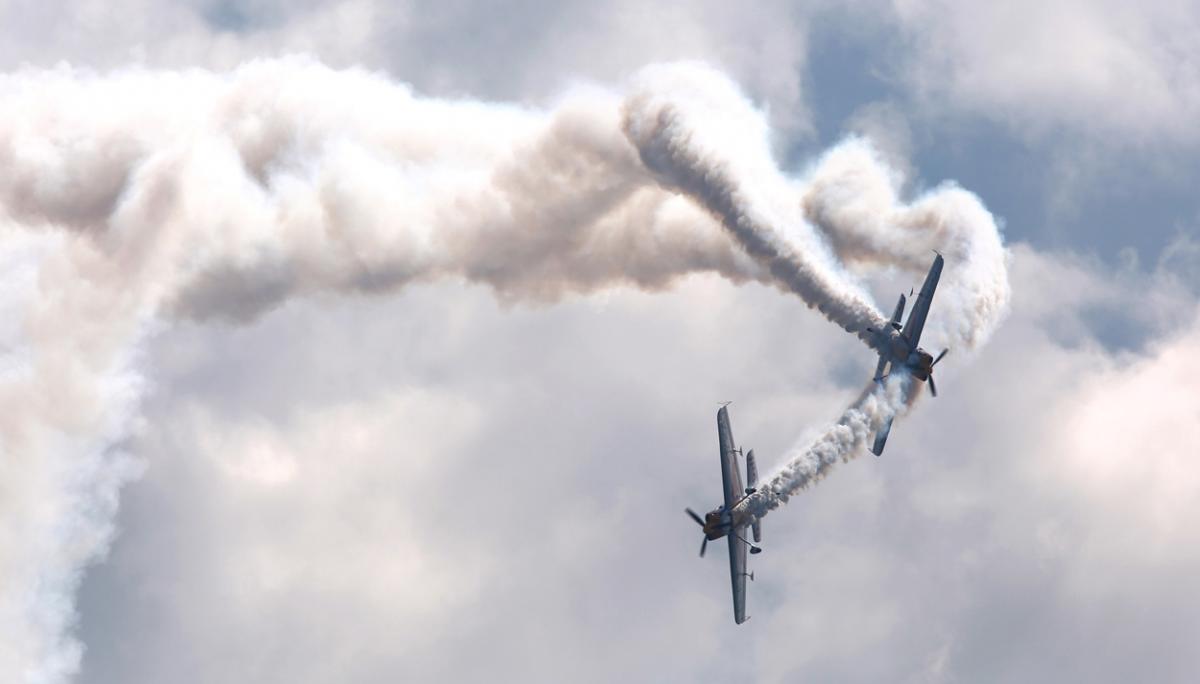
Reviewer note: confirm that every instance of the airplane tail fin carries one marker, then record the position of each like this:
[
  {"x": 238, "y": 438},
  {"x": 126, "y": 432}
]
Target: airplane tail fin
[
  {"x": 895, "y": 323},
  {"x": 752, "y": 483}
]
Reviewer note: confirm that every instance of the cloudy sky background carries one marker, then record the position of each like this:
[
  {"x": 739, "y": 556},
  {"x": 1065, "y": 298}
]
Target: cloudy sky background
[{"x": 433, "y": 485}]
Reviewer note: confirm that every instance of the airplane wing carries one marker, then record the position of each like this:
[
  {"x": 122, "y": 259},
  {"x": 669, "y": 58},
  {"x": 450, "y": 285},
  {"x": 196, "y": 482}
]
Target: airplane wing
[
  {"x": 737, "y": 573},
  {"x": 731, "y": 476},
  {"x": 916, "y": 320}
]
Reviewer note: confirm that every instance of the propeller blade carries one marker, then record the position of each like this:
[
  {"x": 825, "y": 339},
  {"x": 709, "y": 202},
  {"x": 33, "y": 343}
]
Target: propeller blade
[
  {"x": 695, "y": 517},
  {"x": 932, "y": 385},
  {"x": 939, "y": 358},
  {"x": 703, "y": 547}
]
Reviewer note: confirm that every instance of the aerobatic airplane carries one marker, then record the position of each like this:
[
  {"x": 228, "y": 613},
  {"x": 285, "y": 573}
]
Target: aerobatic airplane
[
  {"x": 730, "y": 519},
  {"x": 899, "y": 350}
]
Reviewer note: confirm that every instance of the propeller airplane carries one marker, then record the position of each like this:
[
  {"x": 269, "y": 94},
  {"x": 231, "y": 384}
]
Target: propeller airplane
[
  {"x": 730, "y": 519},
  {"x": 899, "y": 350}
]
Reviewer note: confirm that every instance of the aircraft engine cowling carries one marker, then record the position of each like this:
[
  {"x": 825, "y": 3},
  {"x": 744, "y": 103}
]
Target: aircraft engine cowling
[{"x": 752, "y": 483}]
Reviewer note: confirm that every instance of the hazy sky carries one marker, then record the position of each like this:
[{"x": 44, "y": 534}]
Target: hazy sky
[{"x": 358, "y": 482}]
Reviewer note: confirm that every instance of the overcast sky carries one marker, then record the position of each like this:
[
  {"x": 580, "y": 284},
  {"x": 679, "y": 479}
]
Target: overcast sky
[{"x": 435, "y": 482}]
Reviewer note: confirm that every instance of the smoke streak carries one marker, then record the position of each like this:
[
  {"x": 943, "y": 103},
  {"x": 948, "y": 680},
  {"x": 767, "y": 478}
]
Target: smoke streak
[
  {"x": 846, "y": 439},
  {"x": 133, "y": 199},
  {"x": 700, "y": 137}
]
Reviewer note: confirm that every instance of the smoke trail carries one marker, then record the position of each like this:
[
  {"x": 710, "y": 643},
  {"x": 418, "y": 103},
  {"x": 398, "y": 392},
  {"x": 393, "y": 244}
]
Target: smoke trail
[
  {"x": 853, "y": 197},
  {"x": 693, "y": 129},
  {"x": 285, "y": 177},
  {"x": 132, "y": 199},
  {"x": 700, "y": 137},
  {"x": 846, "y": 439}
]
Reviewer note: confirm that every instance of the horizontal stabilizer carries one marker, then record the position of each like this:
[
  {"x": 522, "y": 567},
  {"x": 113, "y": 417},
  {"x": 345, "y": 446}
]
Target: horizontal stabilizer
[
  {"x": 881, "y": 437},
  {"x": 751, "y": 485},
  {"x": 898, "y": 313},
  {"x": 751, "y": 470}
]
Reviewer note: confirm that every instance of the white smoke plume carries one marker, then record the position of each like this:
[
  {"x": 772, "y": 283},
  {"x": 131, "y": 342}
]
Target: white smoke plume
[
  {"x": 853, "y": 197},
  {"x": 131, "y": 199},
  {"x": 846, "y": 439},
  {"x": 703, "y": 139}
]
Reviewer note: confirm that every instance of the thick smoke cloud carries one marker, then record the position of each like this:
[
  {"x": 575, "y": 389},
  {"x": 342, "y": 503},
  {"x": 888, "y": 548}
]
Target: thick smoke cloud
[{"x": 133, "y": 199}]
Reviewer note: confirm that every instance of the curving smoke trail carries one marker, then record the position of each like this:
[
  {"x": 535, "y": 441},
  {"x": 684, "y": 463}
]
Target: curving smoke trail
[
  {"x": 700, "y": 138},
  {"x": 854, "y": 199},
  {"x": 132, "y": 199}
]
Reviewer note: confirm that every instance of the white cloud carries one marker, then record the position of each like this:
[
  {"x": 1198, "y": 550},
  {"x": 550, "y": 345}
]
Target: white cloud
[
  {"x": 522, "y": 51},
  {"x": 1125, "y": 73},
  {"x": 436, "y": 487},
  {"x": 533, "y": 463}
]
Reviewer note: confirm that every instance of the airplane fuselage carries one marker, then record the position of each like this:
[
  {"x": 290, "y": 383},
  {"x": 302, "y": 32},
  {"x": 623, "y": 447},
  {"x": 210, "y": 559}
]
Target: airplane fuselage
[
  {"x": 733, "y": 515},
  {"x": 898, "y": 348},
  {"x": 920, "y": 364},
  {"x": 901, "y": 354},
  {"x": 718, "y": 523}
]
